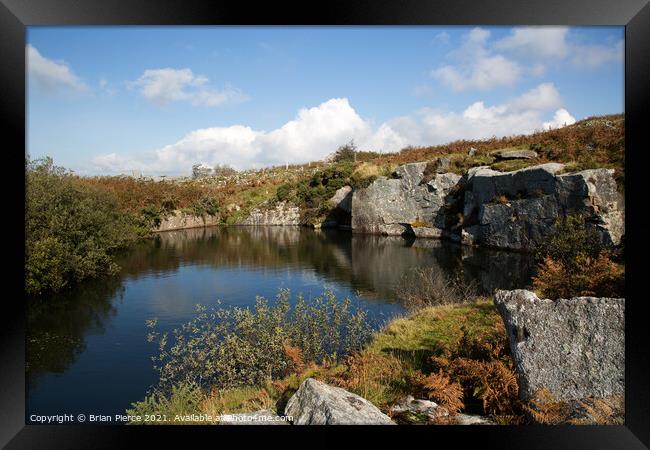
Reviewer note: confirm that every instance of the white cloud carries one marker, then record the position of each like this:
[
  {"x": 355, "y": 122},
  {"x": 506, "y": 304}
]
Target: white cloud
[
  {"x": 481, "y": 64},
  {"x": 521, "y": 115},
  {"x": 316, "y": 132},
  {"x": 554, "y": 42},
  {"x": 485, "y": 73},
  {"x": 543, "y": 42},
  {"x": 560, "y": 118},
  {"x": 544, "y": 97},
  {"x": 52, "y": 76},
  {"x": 441, "y": 38},
  {"x": 592, "y": 56},
  {"x": 312, "y": 134},
  {"x": 477, "y": 67},
  {"x": 163, "y": 86}
]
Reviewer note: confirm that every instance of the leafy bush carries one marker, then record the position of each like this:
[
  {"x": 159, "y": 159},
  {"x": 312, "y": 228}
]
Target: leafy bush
[
  {"x": 228, "y": 348},
  {"x": 570, "y": 239},
  {"x": 425, "y": 286},
  {"x": 346, "y": 153},
  {"x": 72, "y": 231},
  {"x": 574, "y": 262},
  {"x": 206, "y": 206}
]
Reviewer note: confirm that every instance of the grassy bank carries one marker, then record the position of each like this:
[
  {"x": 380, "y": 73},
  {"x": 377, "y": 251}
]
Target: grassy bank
[
  {"x": 453, "y": 354},
  {"x": 456, "y": 355}
]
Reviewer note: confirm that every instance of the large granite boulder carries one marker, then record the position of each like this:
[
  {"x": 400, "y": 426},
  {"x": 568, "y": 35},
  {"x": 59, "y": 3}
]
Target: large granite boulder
[
  {"x": 342, "y": 199},
  {"x": 574, "y": 347},
  {"x": 316, "y": 403},
  {"x": 281, "y": 214},
  {"x": 409, "y": 204}
]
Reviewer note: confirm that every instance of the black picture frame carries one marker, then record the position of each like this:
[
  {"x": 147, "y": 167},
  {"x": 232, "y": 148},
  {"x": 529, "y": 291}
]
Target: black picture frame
[{"x": 16, "y": 15}]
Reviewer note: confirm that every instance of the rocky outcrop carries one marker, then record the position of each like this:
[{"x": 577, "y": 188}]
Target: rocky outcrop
[
  {"x": 342, "y": 199},
  {"x": 281, "y": 214},
  {"x": 408, "y": 204},
  {"x": 575, "y": 347},
  {"x": 517, "y": 210},
  {"x": 179, "y": 220},
  {"x": 316, "y": 403},
  {"x": 515, "y": 154},
  {"x": 512, "y": 210},
  {"x": 262, "y": 417}
]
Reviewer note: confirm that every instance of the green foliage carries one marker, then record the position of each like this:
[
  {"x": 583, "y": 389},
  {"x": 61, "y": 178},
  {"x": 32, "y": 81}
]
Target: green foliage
[
  {"x": 227, "y": 348},
  {"x": 151, "y": 216},
  {"x": 574, "y": 262},
  {"x": 510, "y": 165},
  {"x": 183, "y": 399},
  {"x": 206, "y": 206},
  {"x": 570, "y": 239},
  {"x": 283, "y": 192},
  {"x": 346, "y": 153},
  {"x": 311, "y": 195},
  {"x": 72, "y": 231}
]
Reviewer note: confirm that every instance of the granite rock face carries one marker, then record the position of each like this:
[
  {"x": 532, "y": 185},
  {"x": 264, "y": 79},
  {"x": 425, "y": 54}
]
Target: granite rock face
[
  {"x": 178, "y": 220},
  {"x": 408, "y": 204},
  {"x": 342, "y": 199},
  {"x": 512, "y": 210},
  {"x": 517, "y": 210},
  {"x": 281, "y": 214},
  {"x": 515, "y": 154},
  {"x": 316, "y": 403},
  {"x": 574, "y": 347}
]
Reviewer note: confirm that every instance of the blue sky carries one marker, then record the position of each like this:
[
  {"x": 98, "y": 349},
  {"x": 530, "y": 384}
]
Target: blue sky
[{"x": 106, "y": 100}]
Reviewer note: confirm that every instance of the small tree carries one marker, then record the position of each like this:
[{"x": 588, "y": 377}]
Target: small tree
[
  {"x": 223, "y": 170},
  {"x": 347, "y": 152}
]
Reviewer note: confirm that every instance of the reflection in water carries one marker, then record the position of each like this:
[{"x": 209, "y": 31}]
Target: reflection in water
[
  {"x": 56, "y": 329},
  {"x": 95, "y": 334}
]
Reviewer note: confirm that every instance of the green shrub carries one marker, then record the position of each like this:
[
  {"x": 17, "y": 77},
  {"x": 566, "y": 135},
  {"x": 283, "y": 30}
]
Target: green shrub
[
  {"x": 574, "y": 262},
  {"x": 346, "y": 152},
  {"x": 206, "y": 206},
  {"x": 72, "y": 231},
  {"x": 570, "y": 239},
  {"x": 183, "y": 399},
  {"x": 227, "y": 348},
  {"x": 283, "y": 192}
]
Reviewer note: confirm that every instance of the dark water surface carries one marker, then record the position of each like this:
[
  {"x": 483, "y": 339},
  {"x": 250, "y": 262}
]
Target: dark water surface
[{"x": 87, "y": 350}]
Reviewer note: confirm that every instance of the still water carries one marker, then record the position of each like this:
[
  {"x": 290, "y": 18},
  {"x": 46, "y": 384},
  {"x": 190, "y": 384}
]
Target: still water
[{"x": 87, "y": 350}]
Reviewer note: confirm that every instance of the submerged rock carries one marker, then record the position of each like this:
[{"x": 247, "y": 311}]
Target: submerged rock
[
  {"x": 316, "y": 403},
  {"x": 574, "y": 347}
]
